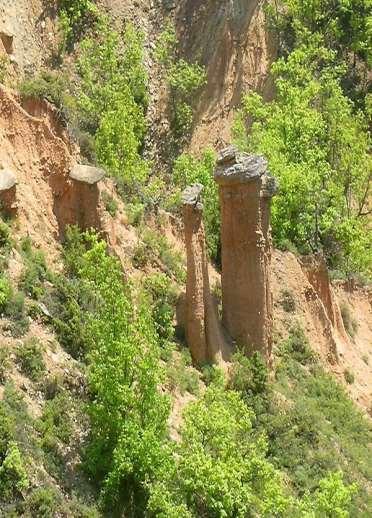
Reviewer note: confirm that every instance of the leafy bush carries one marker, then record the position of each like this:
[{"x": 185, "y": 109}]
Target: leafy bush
[
  {"x": 112, "y": 99},
  {"x": 35, "y": 271},
  {"x": 213, "y": 375},
  {"x": 110, "y": 204},
  {"x": 297, "y": 346},
  {"x": 349, "y": 377},
  {"x": 30, "y": 358},
  {"x": 220, "y": 467},
  {"x": 189, "y": 170},
  {"x": 73, "y": 16},
  {"x": 165, "y": 45},
  {"x": 182, "y": 376},
  {"x": 155, "y": 249},
  {"x": 47, "y": 85},
  {"x": 5, "y": 241},
  {"x": 288, "y": 301},
  {"x": 162, "y": 299},
  {"x": 6, "y": 292},
  {"x": 13, "y": 476},
  {"x": 44, "y": 502},
  {"x": 4, "y": 362},
  {"x": 317, "y": 146}
]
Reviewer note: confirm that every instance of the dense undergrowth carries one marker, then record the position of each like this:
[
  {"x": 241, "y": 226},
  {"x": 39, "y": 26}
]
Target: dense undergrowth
[{"x": 247, "y": 446}]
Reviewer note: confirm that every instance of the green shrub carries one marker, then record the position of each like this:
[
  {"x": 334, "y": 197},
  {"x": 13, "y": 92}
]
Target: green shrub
[
  {"x": 181, "y": 376},
  {"x": 186, "y": 78},
  {"x": 13, "y": 476},
  {"x": 4, "y": 362},
  {"x": 74, "y": 16},
  {"x": 47, "y": 85},
  {"x": 4, "y": 63},
  {"x": 162, "y": 299},
  {"x": 349, "y": 377},
  {"x": 35, "y": 271},
  {"x": 30, "y": 359},
  {"x": 6, "y": 292},
  {"x": 111, "y": 204},
  {"x": 287, "y": 301},
  {"x": 44, "y": 502},
  {"x": 56, "y": 421},
  {"x": 211, "y": 374},
  {"x": 165, "y": 45},
  {"x": 155, "y": 249},
  {"x": 297, "y": 346},
  {"x": 135, "y": 213},
  {"x": 5, "y": 241},
  {"x": 20, "y": 327}
]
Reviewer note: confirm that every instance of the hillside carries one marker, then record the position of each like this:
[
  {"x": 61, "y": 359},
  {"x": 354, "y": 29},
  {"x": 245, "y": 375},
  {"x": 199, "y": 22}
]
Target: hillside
[{"x": 125, "y": 389}]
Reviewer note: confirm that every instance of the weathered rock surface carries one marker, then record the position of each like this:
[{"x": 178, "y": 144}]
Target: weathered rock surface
[
  {"x": 203, "y": 332},
  {"x": 79, "y": 202},
  {"x": 245, "y": 192},
  {"x": 8, "y": 186}
]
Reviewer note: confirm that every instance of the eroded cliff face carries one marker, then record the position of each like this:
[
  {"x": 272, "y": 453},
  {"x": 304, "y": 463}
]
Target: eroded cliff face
[{"x": 230, "y": 39}]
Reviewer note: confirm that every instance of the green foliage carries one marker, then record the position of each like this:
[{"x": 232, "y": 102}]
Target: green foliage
[
  {"x": 30, "y": 359},
  {"x": 288, "y": 301},
  {"x": 46, "y": 85},
  {"x": 44, "y": 502},
  {"x": 35, "y": 271},
  {"x": 4, "y": 63},
  {"x": 156, "y": 250},
  {"x": 128, "y": 414},
  {"x": 181, "y": 376},
  {"x": 213, "y": 375},
  {"x": 185, "y": 79},
  {"x": 4, "y": 366},
  {"x": 220, "y": 468},
  {"x": 349, "y": 377},
  {"x": 73, "y": 17},
  {"x": 297, "y": 346},
  {"x": 5, "y": 241},
  {"x": 165, "y": 45},
  {"x": 317, "y": 145},
  {"x": 162, "y": 299},
  {"x": 111, "y": 204},
  {"x": 13, "y": 476},
  {"x": 189, "y": 170},
  {"x": 112, "y": 99},
  {"x": 6, "y": 292}
]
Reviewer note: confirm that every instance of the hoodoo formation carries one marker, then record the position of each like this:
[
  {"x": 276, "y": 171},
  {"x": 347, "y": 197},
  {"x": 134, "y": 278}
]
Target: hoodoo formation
[
  {"x": 79, "y": 203},
  {"x": 8, "y": 186},
  {"x": 203, "y": 333},
  {"x": 246, "y": 189}
]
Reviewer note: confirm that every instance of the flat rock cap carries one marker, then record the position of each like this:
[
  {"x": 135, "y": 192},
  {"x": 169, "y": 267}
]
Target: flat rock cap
[
  {"x": 87, "y": 174},
  {"x": 192, "y": 196},
  {"x": 7, "y": 180},
  {"x": 235, "y": 167}
]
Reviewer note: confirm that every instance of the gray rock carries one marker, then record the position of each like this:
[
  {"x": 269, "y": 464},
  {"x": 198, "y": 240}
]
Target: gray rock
[
  {"x": 7, "y": 180},
  {"x": 192, "y": 196},
  {"x": 234, "y": 167},
  {"x": 87, "y": 174}
]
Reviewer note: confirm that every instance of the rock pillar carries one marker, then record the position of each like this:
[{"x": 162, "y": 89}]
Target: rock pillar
[
  {"x": 79, "y": 202},
  {"x": 203, "y": 333},
  {"x": 8, "y": 186},
  {"x": 246, "y": 189}
]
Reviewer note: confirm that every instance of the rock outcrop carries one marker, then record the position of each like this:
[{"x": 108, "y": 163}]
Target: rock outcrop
[
  {"x": 79, "y": 202},
  {"x": 8, "y": 186},
  {"x": 246, "y": 189},
  {"x": 203, "y": 333}
]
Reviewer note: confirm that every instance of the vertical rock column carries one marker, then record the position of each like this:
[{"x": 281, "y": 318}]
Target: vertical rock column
[
  {"x": 245, "y": 192},
  {"x": 203, "y": 333}
]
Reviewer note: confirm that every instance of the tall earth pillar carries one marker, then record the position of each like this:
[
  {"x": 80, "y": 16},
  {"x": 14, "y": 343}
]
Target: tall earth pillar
[{"x": 246, "y": 249}]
